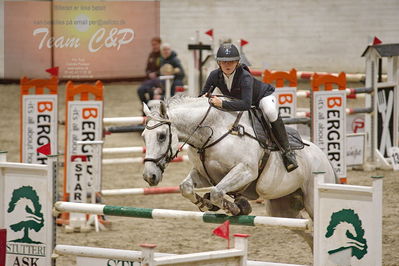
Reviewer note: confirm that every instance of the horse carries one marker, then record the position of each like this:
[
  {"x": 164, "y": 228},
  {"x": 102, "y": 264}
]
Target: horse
[{"x": 231, "y": 164}]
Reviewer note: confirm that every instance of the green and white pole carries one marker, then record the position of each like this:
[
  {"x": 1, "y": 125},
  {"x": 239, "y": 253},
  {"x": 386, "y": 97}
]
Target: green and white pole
[{"x": 288, "y": 223}]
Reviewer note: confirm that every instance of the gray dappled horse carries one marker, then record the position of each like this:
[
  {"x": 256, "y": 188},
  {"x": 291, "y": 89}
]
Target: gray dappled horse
[{"x": 231, "y": 164}]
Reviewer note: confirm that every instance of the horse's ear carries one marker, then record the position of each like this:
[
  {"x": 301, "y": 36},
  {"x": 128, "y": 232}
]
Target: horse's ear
[
  {"x": 146, "y": 110},
  {"x": 162, "y": 110}
]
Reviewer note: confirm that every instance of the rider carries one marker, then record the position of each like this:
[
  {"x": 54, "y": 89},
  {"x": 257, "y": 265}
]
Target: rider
[{"x": 234, "y": 80}]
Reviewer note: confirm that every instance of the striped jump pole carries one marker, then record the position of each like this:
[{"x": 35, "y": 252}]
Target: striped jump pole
[
  {"x": 133, "y": 149},
  {"x": 147, "y": 191},
  {"x": 351, "y": 93},
  {"x": 140, "y": 191},
  {"x": 178, "y": 159},
  {"x": 134, "y": 120},
  {"x": 123, "y": 129},
  {"x": 162, "y": 214},
  {"x": 306, "y": 75},
  {"x": 94, "y": 252},
  {"x": 349, "y": 111}
]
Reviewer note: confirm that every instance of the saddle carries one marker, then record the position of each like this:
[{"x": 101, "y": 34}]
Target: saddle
[
  {"x": 263, "y": 134},
  {"x": 266, "y": 140}
]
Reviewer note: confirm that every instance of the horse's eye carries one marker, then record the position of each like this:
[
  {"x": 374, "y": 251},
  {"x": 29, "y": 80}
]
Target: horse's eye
[{"x": 162, "y": 137}]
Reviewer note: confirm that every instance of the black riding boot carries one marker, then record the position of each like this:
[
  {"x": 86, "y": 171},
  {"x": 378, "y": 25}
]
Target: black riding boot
[{"x": 280, "y": 133}]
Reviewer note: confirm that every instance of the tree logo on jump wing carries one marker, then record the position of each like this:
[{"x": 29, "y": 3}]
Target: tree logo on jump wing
[
  {"x": 26, "y": 208},
  {"x": 347, "y": 234}
]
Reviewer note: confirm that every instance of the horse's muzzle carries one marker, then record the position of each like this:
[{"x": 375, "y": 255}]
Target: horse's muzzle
[
  {"x": 151, "y": 179},
  {"x": 152, "y": 174}
]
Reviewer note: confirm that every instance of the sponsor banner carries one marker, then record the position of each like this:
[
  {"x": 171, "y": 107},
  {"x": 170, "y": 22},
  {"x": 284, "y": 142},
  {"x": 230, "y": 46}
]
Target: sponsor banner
[
  {"x": 286, "y": 102},
  {"x": 348, "y": 225},
  {"x": 355, "y": 123},
  {"x": 39, "y": 126},
  {"x": 85, "y": 261},
  {"x": 86, "y": 39},
  {"x": 27, "y": 202},
  {"x": 329, "y": 127},
  {"x": 84, "y": 124},
  {"x": 386, "y": 124},
  {"x": 355, "y": 144},
  {"x": 78, "y": 182}
]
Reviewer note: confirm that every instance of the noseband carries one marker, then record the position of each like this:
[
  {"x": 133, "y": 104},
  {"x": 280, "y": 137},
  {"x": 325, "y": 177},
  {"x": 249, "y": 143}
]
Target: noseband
[{"x": 168, "y": 154}]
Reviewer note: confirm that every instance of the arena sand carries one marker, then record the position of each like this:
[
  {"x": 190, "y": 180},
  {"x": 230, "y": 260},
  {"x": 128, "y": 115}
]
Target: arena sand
[{"x": 274, "y": 245}]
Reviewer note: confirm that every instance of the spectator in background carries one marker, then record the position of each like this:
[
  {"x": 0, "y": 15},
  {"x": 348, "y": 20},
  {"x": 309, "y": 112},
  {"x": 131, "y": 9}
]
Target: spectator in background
[
  {"x": 170, "y": 65},
  {"x": 146, "y": 90}
]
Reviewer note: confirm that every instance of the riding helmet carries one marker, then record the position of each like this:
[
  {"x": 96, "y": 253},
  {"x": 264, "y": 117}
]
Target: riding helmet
[{"x": 227, "y": 52}]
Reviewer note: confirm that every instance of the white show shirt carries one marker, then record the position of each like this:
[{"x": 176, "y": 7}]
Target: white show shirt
[{"x": 229, "y": 80}]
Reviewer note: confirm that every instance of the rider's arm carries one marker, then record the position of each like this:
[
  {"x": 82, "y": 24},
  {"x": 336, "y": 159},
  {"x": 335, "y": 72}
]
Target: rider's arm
[
  {"x": 210, "y": 82},
  {"x": 245, "y": 102}
]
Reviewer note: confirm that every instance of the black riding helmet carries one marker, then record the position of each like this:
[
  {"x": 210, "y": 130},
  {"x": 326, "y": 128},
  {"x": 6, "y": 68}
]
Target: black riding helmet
[{"x": 227, "y": 52}]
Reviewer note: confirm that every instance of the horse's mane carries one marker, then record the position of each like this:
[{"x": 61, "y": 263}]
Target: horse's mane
[
  {"x": 180, "y": 99},
  {"x": 188, "y": 102}
]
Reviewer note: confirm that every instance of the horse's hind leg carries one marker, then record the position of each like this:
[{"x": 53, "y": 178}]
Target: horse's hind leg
[{"x": 290, "y": 206}]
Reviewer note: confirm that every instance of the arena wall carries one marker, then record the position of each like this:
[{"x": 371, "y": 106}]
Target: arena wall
[{"x": 310, "y": 35}]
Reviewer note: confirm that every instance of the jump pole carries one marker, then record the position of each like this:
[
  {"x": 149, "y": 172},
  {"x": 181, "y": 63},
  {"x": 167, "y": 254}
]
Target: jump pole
[
  {"x": 133, "y": 149},
  {"x": 163, "y": 214},
  {"x": 351, "y": 93},
  {"x": 140, "y": 191},
  {"x": 139, "y": 160},
  {"x": 135, "y": 120},
  {"x": 307, "y": 75},
  {"x": 147, "y": 191}
]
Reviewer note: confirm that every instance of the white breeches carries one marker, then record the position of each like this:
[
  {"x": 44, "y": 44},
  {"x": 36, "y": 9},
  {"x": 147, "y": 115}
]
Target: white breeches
[{"x": 268, "y": 105}]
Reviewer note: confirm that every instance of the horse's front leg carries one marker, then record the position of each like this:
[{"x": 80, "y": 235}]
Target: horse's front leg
[
  {"x": 187, "y": 188},
  {"x": 238, "y": 177}
]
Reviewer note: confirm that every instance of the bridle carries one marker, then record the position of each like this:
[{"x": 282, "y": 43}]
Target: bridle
[{"x": 168, "y": 154}]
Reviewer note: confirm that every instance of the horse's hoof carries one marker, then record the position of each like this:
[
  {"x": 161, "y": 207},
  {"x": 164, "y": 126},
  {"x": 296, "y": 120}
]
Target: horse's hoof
[
  {"x": 296, "y": 200},
  {"x": 244, "y": 205},
  {"x": 231, "y": 207},
  {"x": 212, "y": 208}
]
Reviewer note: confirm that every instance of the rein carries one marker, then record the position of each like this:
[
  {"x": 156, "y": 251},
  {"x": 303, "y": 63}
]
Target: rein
[{"x": 168, "y": 154}]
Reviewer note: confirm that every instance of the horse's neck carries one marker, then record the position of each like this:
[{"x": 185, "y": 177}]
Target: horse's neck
[{"x": 186, "y": 119}]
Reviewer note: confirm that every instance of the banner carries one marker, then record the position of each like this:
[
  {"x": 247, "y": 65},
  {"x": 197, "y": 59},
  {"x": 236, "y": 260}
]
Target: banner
[
  {"x": 84, "y": 124},
  {"x": 286, "y": 102},
  {"x": 87, "y": 40},
  {"x": 329, "y": 127},
  {"x": 355, "y": 149},
  {"x": 26, "y": 204},
  {"x": 39, "y": 126}
]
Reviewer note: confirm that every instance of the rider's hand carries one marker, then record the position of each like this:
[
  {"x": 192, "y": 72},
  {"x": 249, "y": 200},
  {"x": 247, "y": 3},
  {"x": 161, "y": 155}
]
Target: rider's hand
[
  {"x": 216, "y": 101},
  {"x": 157, "y": 91}
]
